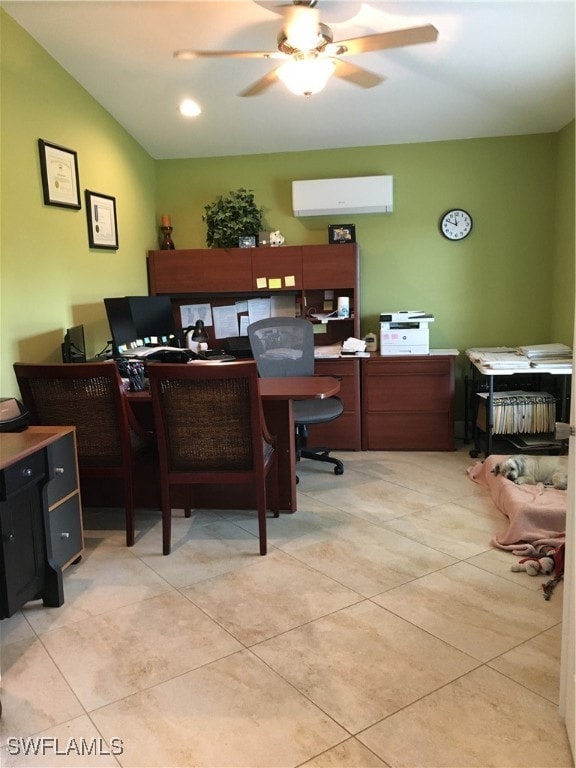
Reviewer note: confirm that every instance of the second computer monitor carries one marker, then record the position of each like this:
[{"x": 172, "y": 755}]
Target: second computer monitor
[{"x": 142, "y": 320}]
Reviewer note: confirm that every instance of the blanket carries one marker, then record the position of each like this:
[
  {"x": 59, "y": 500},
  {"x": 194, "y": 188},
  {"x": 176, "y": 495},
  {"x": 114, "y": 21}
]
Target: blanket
[{"x": 536, "y": 513}]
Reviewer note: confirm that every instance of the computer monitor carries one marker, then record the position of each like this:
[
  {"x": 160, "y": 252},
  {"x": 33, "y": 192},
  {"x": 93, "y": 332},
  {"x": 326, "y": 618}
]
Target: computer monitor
[
  {"x": 153, "y": 318},
  {"x": 74, "y": 345},
  {"x": 137, "y": 321},
  {"x": 121, "y": 324}
]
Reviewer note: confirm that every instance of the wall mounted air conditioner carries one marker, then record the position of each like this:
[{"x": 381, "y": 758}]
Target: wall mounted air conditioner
[{"x": 323, "y": 197}]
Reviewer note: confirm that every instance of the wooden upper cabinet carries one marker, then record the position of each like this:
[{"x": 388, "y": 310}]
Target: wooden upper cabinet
[
  {"x": 251, "y": 270},
  {"x": 277, "y": 268},
  {"x": 200, "y": 270},
  {"x": 330, "y": 266}
]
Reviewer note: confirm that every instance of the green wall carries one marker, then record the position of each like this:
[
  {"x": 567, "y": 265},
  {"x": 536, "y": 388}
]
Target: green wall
[
  {"x": 563, "y": 237},
  {"x": 50, "y": 278},
  {"x": 479, "y": 289},
  {"x": 510, "y": 282}
]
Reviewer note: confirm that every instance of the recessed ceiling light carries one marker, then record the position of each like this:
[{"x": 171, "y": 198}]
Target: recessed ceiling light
[{"x": 189, "y": 108}]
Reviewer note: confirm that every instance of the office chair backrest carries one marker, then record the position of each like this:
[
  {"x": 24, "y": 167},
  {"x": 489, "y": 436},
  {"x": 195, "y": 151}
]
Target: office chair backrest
[
  {"x": 283, "y": 346},
  {"x": 208, "y": 416},
  {"x": 87, "y": 396}
]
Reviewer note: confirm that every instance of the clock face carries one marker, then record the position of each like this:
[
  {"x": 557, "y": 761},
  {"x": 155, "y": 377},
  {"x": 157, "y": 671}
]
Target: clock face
[{"x": 456, "y": 224}]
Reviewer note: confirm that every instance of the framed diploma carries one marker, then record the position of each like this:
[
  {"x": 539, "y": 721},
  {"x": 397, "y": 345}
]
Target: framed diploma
[
  {"x": 59, "y": 168},
  {"x": 102, "y": 227}
]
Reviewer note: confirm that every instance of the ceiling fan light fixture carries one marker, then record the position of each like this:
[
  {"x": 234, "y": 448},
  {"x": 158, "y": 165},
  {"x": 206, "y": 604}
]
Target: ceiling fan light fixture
[
  {"x": 304, "y": 39},
  {"x": 305, "y": 76},
  {"x": 189, "y": 108}
]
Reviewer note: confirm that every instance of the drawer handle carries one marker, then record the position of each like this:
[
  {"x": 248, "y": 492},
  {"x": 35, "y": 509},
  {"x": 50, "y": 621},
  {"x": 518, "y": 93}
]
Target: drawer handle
[
  {"x": 26, "y": 472},
  {"x": 59, "y": 470},
  {"x": 64, "y": 535}
]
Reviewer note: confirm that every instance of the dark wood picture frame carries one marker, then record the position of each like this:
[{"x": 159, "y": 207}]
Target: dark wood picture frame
[
  {"x": 102, "y": 223},
  {"x": 341, "y": 233},
  {"x": 60, "y": 178}
]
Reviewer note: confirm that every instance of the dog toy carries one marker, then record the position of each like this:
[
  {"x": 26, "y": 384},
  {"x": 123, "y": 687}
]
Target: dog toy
[
  {"x": 534, "y": 565},
  {"x": 558, "y": 556}
]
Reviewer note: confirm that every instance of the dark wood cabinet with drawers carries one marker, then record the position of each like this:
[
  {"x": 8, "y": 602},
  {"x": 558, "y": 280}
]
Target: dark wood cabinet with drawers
[
  {"x": 40, "y": 515},
  {"x": 311, "y": 276},
  {"x": 345, "y": 433},
  {"x": 408, "y": 403}
]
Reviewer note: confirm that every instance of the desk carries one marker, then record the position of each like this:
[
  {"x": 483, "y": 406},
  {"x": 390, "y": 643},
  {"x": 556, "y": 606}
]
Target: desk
[
  {"x": 40, "y": 515},
  {"x": 278, "y": 395},
  {"x": 481, "y": 370}
]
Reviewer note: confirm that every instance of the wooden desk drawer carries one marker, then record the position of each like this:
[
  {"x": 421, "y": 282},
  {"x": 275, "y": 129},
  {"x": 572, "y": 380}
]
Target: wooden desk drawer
[
  {"x": 27, "y": 471},
  {"x": 66, "y": 531},
  {"x": 407, "y": 393},
  {"x": 409, "y": 432},
  {"x": 62, "y": 460},
  {"x": 345, "y": 432}
]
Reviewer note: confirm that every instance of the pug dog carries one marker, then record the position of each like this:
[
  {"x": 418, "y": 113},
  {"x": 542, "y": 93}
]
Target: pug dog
[{"x": 530, "y": 470}]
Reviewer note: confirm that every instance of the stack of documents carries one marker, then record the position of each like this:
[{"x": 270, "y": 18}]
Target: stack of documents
[
  {"x": 548, "y": 355},
  {"x": 498, "y": 357},
  {"x": 542, "y": 351}
]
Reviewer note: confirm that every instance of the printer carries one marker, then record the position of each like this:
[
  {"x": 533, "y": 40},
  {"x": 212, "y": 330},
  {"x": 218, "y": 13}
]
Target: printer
[{"x": 405, "y": 332}]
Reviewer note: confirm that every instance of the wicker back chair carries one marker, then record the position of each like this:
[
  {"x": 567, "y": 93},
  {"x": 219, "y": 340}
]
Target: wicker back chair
[
  {"x": 211, "y": 430},
  {"x": 284, "y": 346},
  {"x": 89, "y": 396}
]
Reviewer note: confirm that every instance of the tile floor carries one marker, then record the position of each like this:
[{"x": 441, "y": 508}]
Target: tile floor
[{"x": 380, "y": 630}]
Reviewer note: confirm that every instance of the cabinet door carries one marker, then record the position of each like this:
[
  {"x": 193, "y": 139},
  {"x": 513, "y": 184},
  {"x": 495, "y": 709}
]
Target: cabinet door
[
  {"x": 22, "y": 550},
  {"x": 277, "y": 268},
  {"x": 330, "y": 266},
  {"x": 204, "y": 270}
]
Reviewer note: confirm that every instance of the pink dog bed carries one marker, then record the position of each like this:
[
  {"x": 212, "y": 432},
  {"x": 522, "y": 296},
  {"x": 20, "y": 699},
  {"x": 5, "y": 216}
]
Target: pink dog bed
[{"x": 536, "y": 513}]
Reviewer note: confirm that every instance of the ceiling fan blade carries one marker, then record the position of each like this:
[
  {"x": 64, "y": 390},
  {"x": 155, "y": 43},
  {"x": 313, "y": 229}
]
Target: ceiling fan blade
[
  {"x": 385, "y": 40},
  {"x": 357, "y": 75},
  {"x": 186, "y": 54},
  {"x": 261, "y": 85}
]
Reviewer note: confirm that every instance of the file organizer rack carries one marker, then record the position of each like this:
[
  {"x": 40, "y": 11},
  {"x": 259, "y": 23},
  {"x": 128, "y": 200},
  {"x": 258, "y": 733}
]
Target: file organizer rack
[{"x": 524, "y": 417}]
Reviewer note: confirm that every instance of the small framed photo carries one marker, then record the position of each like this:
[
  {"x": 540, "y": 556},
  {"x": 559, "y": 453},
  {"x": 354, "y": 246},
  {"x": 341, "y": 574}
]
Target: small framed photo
[
  {"x": 341, "y": 233},
  {"x": 102, "y": 226},
  {"x": 59, "y": 169},
  {"x": 247, "y": 242}
]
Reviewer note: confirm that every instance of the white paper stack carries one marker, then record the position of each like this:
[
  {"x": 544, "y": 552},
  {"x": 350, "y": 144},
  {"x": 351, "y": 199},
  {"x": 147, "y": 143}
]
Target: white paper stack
[{"x": 353, "y": 346}]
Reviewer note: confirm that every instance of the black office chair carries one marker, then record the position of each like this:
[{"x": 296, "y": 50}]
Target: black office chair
[{"x": 284, "y": 346}]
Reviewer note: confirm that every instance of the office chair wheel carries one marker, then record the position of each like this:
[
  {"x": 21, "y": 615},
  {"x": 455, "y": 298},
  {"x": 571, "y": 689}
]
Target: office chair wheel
[{"x": 338, "y": 470}]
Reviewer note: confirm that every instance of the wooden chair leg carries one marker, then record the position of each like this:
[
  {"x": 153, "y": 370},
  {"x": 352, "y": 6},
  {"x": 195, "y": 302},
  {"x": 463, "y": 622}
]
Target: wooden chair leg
[
  {"x": 129, "y": 504},
  {"x": 166, "y": 520}
]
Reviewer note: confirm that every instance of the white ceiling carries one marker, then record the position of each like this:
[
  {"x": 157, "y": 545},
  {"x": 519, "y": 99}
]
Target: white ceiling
[{"x": 498, "y": 68}]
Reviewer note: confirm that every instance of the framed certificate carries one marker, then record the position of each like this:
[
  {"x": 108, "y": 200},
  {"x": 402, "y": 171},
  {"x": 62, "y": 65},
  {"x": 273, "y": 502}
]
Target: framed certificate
[
  {"x": 59, "y": 169},
  {"x": 102, "y": 226}
]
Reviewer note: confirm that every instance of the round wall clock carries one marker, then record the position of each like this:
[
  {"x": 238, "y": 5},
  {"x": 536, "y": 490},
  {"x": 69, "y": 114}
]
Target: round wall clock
[{"x": 456, "y": 224}]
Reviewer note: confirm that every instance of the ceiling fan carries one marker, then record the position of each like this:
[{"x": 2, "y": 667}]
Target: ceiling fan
[{"x": 310, "y": 56}]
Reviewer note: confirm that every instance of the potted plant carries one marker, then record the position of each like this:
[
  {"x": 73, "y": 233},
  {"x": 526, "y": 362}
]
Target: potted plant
[{"x": 231, "y": 217}]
